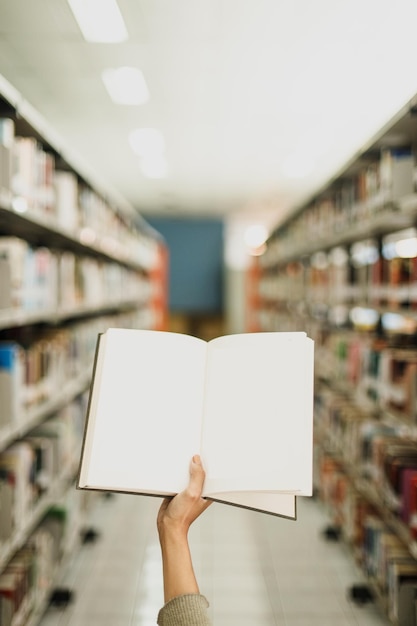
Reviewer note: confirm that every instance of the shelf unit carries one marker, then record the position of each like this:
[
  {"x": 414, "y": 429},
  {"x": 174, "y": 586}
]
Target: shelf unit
[
  {"x": 62, "y": 281},
  {"x": 343, "y": 268}
]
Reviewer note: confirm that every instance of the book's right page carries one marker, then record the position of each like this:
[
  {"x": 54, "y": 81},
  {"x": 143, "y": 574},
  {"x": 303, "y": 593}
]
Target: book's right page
[{"x": 258, "y": 421}]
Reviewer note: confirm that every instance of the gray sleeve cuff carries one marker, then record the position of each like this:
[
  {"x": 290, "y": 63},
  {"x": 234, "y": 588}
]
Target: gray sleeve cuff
[{"x": 187, "y": 610}]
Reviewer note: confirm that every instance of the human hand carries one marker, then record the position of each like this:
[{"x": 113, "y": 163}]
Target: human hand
[{"x": 179, "y": 512}]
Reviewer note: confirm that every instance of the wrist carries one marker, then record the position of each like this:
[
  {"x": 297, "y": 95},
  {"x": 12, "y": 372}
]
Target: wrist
[{"x": 172, "y": 531}]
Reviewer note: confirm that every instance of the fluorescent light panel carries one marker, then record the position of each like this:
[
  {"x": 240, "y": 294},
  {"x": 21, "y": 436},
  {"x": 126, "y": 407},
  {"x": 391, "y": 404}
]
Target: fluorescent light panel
[
  {"x": 100, "y": 21},
  {"x": 126, "y": 85}
]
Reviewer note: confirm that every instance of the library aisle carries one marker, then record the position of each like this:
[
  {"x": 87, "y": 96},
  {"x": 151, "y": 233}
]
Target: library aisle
[{"x": 253, "y": 568}]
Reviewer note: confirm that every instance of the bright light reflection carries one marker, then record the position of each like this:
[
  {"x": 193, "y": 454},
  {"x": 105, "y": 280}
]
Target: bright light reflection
[
  {"x": 402, "y": 244},
  {"x": 20, "y": 204},
  {"x": 99, "y": 20},
  {"x": 406, "y": 248},
  {"x": 395, "y": 322},
  {"x": 364, "y": 317},
  {"x": 365, "y": 253}
]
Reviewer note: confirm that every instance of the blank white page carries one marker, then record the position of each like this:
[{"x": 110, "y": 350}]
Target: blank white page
[
  {"x": 257, "y": 428},
  {"x": 148, "y": 422}
]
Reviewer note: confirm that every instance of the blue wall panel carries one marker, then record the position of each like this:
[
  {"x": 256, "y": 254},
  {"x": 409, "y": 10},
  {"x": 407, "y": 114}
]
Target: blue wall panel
[{"x": 195, "y": 261}]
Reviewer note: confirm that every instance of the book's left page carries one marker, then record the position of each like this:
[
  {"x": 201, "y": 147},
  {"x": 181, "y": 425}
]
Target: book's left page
[{"x": 144, "y": 419}]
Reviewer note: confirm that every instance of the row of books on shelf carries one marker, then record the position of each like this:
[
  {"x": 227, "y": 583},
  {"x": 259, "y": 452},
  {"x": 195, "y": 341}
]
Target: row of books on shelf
[
  {"x": 368, "y": 272},
  {"x": 41, "y": 279},
  {"x": 32, "y": 185},
  {"x": 378, "y": 371},
  {"x": 36, "y": 365},
  {"x": 31, "y": 467},
  {"x": 379, "y": 376},
  {"x": 36, "y": 535},
  {"x": 28, "y": 579},
  {"x": 29, "y": 575},
  {"x": 384, "y": 557},
  {"x": 377, "y": 451},
  {"x": 366, "y": 451},
  {"x": 393, "y": 326},
  {"x": 377, "y": 188}
]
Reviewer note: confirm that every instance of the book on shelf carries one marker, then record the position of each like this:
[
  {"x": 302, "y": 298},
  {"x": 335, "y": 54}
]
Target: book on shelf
[
  {"x": 243, "y": 402},
  {"x": 6, "y": 142},
  {"x": 66, "y": 194},
  {"x": 408, "y": 498},
  {"x": 11, "y": 382}
]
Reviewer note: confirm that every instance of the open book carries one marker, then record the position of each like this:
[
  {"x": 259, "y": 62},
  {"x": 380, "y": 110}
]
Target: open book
[{"x": 243, "y": 402}]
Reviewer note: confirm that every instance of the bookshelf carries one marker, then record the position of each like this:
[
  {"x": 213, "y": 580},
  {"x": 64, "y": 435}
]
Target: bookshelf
[
  {"x": 343, "y": 267},
  {"x": 75, "y": 259}
]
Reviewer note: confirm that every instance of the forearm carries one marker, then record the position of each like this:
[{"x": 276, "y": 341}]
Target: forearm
[
  {"x": 183, "y": 603},
  {"x": 178, "y": 571}
]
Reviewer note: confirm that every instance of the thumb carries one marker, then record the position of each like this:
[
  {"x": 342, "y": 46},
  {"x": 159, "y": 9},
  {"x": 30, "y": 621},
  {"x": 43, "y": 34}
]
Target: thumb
[{"x": 197, "y": 475}]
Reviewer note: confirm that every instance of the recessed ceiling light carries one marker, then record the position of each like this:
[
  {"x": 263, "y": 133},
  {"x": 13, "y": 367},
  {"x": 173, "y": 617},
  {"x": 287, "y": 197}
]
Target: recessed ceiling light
[
  {"x": 126, "y": 85},
  {"x": 100, "y": 21}
]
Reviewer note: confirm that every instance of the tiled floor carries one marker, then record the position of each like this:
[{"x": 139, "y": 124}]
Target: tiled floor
[{"x": 255, "y": 569}]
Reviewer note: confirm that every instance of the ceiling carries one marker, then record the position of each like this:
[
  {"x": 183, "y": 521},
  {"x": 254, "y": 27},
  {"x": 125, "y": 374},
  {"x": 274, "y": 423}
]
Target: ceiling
[{"x": 259, "y": 101}]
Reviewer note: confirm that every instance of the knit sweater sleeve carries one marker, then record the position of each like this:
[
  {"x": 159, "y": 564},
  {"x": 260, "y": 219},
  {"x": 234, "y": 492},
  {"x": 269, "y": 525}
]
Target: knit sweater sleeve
[{"x": 187, "y": 610}]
